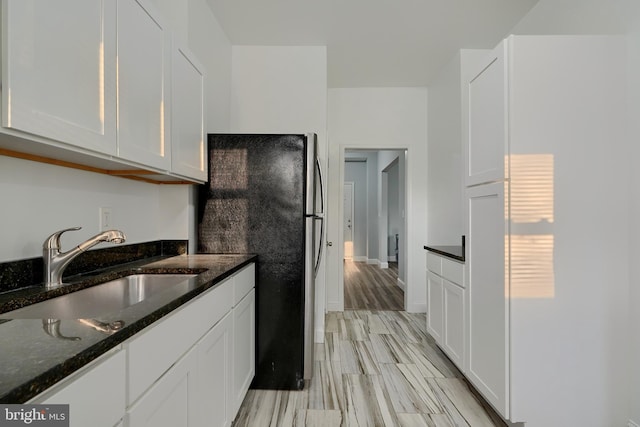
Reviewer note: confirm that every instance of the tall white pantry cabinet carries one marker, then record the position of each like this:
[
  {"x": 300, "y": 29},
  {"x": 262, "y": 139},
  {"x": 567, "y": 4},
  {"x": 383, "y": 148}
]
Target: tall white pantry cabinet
[{"x": 546, "y": 188}]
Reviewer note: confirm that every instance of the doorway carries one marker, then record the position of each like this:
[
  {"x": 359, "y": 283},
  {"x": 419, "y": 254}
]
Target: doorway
[{"x": 374, "y": 181}]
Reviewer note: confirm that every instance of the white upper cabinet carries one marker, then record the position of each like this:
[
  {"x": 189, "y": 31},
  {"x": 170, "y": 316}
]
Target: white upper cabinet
[
  {"x": 100, "y": 83},
  {"x": 143, "y": 85},
  {"x": 486, "y": 141},
  {"x": 188, "y": 154},
  {"x": 59, "y": 77}
]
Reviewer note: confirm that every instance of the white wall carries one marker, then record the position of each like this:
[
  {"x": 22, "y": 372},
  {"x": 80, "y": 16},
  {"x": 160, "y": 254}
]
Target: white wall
[
  {"x": 385, "y": 159},
  {"x": 633, "y": 49},
  {"x": 446, "y": 209},
  {"x": 39, "y": 199},
  {"x": 283, "y": 90},
  {"x": 444, "y": 174},
  {"x": 380, "y": 118}
]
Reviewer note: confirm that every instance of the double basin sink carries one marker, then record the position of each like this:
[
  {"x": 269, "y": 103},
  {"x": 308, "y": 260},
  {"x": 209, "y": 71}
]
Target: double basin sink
[{"x": 98, "y": 300}]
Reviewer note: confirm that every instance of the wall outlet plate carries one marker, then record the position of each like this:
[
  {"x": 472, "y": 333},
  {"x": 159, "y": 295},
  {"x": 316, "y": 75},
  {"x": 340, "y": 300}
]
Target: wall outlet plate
[{"x": 106, "y": 216}]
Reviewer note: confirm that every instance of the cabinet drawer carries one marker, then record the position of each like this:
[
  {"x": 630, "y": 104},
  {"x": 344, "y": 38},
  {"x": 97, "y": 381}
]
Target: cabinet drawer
[
  {"x": 106, "y": 377},
  {"x": 453, "y": 271},
  {"x": 243, "y": 282},
  {"x": 153, "y": 351},
  {"x": 434, "y": 263}
]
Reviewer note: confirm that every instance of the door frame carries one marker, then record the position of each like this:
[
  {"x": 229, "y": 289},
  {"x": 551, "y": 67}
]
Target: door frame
[
  {"x": 353, "y": 217},
  {"x": 341, "y": 175}
]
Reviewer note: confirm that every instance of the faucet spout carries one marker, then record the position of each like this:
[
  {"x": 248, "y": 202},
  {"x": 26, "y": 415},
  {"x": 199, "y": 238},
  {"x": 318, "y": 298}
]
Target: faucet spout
[{"x": 56, "y": 261}]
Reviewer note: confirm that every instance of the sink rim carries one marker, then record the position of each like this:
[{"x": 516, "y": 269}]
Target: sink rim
[{"x": 102, "y": 298}]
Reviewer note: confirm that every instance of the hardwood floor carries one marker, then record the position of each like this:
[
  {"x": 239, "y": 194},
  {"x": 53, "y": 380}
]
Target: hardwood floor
[
  {"x": 375, "y": 368},
  {"x": 369, "y": 287}
]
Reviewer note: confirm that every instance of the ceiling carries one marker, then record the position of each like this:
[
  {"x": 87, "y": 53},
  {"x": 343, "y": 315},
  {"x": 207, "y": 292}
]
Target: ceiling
[{"x": 373, "y": 43}]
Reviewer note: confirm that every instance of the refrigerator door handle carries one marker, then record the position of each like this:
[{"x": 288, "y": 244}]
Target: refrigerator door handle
[
  {"x": 321, "y": 185},
  {"x": 320, "y": 245}
]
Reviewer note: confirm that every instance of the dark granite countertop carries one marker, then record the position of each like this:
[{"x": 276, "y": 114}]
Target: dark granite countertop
[
  {"x": 450, "y": 251},
  {"x": 453, "y": 252},
  {"x": 33, "y": 360}
]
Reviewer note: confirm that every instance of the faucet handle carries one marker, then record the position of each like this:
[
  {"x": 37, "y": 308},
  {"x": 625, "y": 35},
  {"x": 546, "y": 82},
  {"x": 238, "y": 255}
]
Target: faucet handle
[{"x": 53, "y": 241}]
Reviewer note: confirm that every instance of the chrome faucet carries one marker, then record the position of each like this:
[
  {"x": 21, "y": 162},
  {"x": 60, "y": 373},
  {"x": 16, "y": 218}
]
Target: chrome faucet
[{"x": 55, "y": 261}]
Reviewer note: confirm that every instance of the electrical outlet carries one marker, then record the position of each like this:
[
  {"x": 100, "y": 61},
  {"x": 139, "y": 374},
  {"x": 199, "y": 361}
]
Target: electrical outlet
[{"x": 105, "y": 218}]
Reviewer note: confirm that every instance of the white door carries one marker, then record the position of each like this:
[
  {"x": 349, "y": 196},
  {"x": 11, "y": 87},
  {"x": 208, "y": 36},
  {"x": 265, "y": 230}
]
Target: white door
[
  {"x": 488, "y": 294},
  {"x": 347, "y": 202}
]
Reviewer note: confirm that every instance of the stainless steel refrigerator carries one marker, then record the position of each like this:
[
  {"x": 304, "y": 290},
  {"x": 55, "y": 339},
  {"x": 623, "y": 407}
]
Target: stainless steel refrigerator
[{"x": 264, "y": 196}]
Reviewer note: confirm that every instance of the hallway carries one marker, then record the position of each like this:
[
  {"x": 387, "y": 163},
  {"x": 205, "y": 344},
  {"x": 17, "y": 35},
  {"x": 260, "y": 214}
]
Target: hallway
[{"x": 369, "y": 287}]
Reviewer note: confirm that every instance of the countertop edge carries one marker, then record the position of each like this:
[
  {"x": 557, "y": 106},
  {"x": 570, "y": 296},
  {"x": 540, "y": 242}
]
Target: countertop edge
[
  {"x": 440, "y": 250},
  {"x": 43, "y": 381}
]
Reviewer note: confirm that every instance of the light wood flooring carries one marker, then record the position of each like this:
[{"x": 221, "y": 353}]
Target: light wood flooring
[
  {"x": 375, "y": 368},
  {"x": 370, "y": 287}
]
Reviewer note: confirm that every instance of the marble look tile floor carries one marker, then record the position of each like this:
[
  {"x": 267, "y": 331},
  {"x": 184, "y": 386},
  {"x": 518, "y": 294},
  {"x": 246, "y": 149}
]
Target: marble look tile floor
[{"x": 375, "y": 368}]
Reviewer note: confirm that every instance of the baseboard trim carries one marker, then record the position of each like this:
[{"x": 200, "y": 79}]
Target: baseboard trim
[
  {"x": 417, "y": 308},
  {"x": 372, "y": 261},
  {"x": 383, "y": 264},
  {"x": 391, "y": 258},
  {"x": 401, "y": 285},
  {"x": 360, "y": 259},
  {"x": 633, "y": 424},
  {"x": 335, "y": 306}
]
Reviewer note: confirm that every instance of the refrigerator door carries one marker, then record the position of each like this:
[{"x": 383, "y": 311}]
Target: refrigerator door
[{"x": 309, "y": 298}]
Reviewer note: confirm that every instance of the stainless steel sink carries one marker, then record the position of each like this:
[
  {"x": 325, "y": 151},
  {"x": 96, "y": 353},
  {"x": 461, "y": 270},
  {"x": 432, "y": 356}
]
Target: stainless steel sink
[{"x": 101, "y": 299}]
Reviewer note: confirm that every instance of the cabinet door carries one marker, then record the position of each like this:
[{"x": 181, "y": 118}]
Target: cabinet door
[
  {"x": 188, "y": 154},
  {"x": 488, "y": 294},
  {"x": 215, "y": 396},
  {"x": 244, "y": 347},
  {"x": 435, "y": 324},
  {"x": 143, "y": 85},
  {"x": 453, "y": 340},
  {"x": 486, "y": 140},
  {"x": 58, "y": 70},
  {"x": 107, "y": 377},
  {"x": 170, "y": 401}
]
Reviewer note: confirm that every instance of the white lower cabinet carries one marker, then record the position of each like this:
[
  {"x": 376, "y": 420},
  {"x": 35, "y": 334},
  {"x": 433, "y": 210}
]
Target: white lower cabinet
[
  {"x": 105, "y": 376},
  {"x": 191, "y": 369},
  {"x": 213, "y": 340},
  {"x": 446, "y": 306},
  {"x": 488, "y": 301},
  {"x": 215, "y": 399},
  {"x": 244, "y": 344},
  {"x": 170, "y": 401},
  {"x": 454, "y": 321},
  {"x": 435, "y": 305}
]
